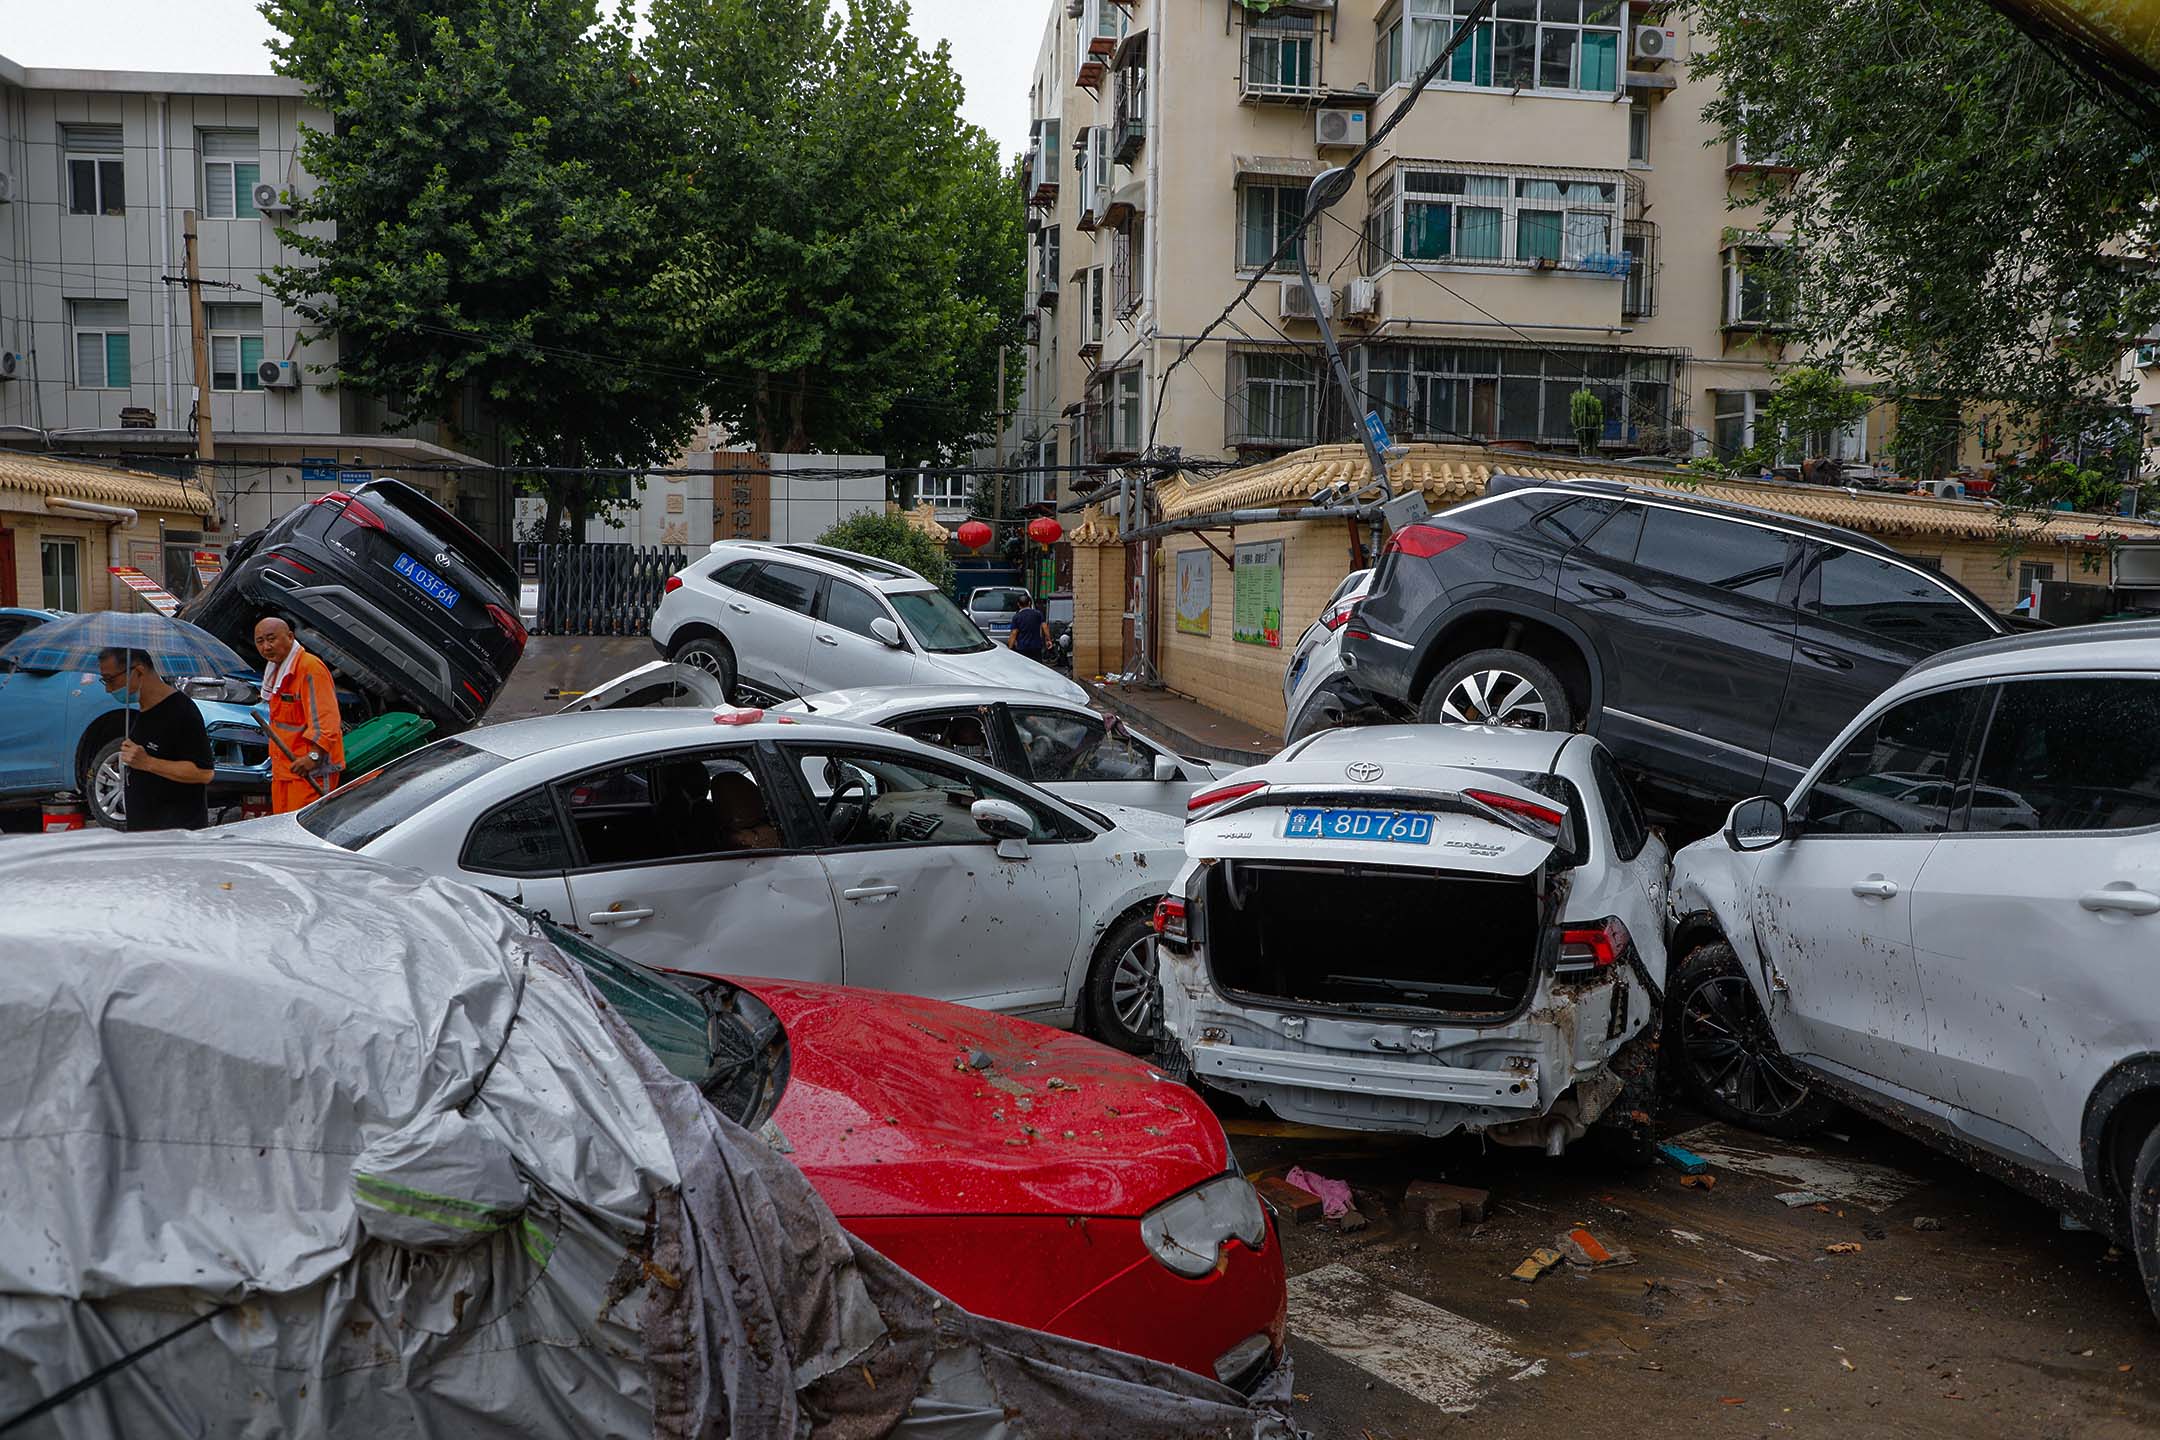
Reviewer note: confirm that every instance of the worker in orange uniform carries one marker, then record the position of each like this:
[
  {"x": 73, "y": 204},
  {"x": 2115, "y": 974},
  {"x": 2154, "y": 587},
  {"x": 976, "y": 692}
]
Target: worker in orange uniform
[{"x": 307, "y": 736}]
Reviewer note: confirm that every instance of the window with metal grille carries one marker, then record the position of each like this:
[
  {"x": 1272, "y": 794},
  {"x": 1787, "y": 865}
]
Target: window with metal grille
[{"x": 1274, "y": 398}]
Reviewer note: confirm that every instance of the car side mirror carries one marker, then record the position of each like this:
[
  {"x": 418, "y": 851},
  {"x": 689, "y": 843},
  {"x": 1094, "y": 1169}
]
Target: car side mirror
[
  {"x": 1168, "y": 769},
  {"x": 1756, "y": 824},
  {"x": 1001, "y": 819},
  {"x": 887, "y": 631}
]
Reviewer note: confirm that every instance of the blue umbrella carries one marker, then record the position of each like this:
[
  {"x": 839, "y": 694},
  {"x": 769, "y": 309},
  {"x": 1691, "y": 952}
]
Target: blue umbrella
[{"x": 176, "y": 648}]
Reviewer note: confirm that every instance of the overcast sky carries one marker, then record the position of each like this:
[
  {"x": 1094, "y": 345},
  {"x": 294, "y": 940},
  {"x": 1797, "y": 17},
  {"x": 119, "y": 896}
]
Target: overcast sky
[{"x": 993, "y": 43}]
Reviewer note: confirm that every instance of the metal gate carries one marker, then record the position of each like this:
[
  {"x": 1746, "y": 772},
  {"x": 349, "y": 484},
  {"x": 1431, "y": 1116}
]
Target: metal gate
[{"x": 599, "y": 589}]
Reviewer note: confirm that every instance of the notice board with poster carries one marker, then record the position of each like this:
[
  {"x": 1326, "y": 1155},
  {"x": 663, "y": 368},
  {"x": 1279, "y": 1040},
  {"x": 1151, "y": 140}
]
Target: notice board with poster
[
  {"x": 1195, "y": 591},
  {"x": 742, "y": 496},
  {"x": 1257, "y": 618}
]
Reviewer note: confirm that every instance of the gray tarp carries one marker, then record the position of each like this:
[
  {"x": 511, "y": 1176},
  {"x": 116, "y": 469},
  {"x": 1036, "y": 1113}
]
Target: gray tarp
[{"x": 445, "y": 1190}]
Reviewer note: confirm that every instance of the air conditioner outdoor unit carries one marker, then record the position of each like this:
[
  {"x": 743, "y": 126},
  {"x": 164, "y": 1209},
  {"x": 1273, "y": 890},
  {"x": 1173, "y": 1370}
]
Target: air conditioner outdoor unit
[
  {"x": 10, "y": 364},
  {"x": 278, "y": 375},
  {"x": 1361, "y": 298},
  {"x": 269, "y": 200},
  {"x": 1297, "y": 301},
  {"x": 1339, "y": 128},
  {"x": 7, "y": 187},
  {"x": 1653, "y": 43}
]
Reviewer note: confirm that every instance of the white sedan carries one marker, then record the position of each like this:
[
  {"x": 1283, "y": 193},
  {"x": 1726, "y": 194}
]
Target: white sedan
[
  {"x": 790, "y": 846},
  {"x": 1062, "y": 746}
]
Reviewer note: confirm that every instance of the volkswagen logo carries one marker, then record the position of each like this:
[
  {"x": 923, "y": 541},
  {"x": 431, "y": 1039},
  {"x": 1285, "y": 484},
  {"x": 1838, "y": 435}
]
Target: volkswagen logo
[
  {"x": 1362, "y": 771},
  {"x": 443, "y": 561}
]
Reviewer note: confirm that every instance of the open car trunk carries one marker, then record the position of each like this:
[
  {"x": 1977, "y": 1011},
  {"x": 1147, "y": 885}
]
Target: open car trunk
[{"x": 1370, "y": 936}]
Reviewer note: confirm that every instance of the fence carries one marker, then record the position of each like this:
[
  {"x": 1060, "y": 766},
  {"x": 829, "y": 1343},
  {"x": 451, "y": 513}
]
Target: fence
[{"x": 599, "y": 589}]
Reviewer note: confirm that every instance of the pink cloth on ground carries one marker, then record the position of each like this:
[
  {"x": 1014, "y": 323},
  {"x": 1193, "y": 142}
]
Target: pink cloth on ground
[{"x": 1334, "y": 1194}]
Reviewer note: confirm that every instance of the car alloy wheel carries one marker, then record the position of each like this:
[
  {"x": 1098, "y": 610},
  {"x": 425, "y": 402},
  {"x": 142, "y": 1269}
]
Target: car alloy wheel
[
  {"x": 1132, "y": 989},
  {"x": 1495, "y": 697},
  {"x": 1726, "y": 1043},
  {"x": 108, "y": 788}
]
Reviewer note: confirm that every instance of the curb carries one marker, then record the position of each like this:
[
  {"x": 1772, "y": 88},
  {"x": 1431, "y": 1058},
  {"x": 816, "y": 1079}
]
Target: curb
[{"x": 1185, "y": 744}]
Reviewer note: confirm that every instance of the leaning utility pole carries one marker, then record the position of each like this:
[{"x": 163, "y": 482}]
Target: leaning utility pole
[{"x": 205, "y": 441}]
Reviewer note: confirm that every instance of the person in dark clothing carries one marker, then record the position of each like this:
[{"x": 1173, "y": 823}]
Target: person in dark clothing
[
  {"x": 1030, "y": 632},
  {"x": 167, "y": 752}
]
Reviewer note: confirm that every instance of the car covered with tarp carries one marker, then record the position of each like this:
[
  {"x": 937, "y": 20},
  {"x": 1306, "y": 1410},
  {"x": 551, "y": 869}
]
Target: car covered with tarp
[{"x": 312, "y": 1145}]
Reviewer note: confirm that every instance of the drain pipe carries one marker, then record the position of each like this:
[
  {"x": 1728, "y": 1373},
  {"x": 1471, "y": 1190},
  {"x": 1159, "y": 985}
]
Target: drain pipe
[
  {"x": 118, "y": 517},
  {"x": 165, "y": 356}
]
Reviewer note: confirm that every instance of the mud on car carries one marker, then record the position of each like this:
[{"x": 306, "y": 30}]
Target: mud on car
[{"x": 1427, "y": 929}]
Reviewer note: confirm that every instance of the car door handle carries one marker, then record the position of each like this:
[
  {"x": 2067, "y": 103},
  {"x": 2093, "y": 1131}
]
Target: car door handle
[
  {"x": 1826, "y": 658},
  {"x": 869, "y": 892},
  {"x": 617, "y": 917},
  {"x": 2122, "y": 898},
  {"x": 738, "y": 607},
  {"x": 827, "y": 640},
  {"x": 1605, "y": 592},
  {"x": 1875, "y": 887}
]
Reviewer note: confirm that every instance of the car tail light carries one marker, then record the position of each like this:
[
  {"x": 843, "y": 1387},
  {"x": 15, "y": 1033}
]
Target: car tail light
[
  {"x": 513, "y": 628},
  {"x": 1527, "y": 809},
  {"x": 1338, "y": 617},
  {"x": 284, "y": 559},
  {"x": 674, "y": 583},
  {"x": 1600, "y": 945},
  {"x": 356, "y": 512},
  {"x": 1422, "y": 542},
  {"x": 1170, "y": 921},
  {"x": 1222, "y": 794},
  {"x": 474, "y": 691}
]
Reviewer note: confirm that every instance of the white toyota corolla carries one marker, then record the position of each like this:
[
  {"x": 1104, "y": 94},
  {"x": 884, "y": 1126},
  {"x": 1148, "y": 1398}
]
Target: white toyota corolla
[
  {"x": 1425, "y": 928},
  {"x": 787, "y": 846}
]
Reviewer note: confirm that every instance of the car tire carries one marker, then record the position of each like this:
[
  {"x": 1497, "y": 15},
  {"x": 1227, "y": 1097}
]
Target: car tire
[
  {"x": 1498, "y": 687},
  {"x": 714, "y": 656},
  {"x": 1728, "y": 1063},
  {"x": 2145, "y": 1216},
  {"x": 1124, "y": 1005},
  {"x": 1324, "y": 711},
  {"x": 103, "y": 782}
]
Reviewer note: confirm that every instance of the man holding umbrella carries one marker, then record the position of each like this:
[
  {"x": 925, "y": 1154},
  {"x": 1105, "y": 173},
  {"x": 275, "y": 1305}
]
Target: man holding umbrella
[
  {"x": 307, "y": 735},
  {"x": 167, "y": 752}
]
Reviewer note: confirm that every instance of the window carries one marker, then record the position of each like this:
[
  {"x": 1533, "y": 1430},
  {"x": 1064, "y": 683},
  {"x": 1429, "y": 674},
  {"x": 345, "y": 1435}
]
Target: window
[
  {"x": 960, "y": 731},
  {"x": 735, "y": 576},
  {"x": 938, "y": 625},
  {"x": 101, "y": 344},
  {"x": 1571, "y": 524},
  {"x": 1895, "y": 776},
  {"x": 1737, "y": 424},
  {"x": 1630, "y": 831},
  {"x": 1125, "y": 411},
  {"x": 1388, "y": 55},
  {"x": 236, "y": 346},
  {"x": 1619, "y": 538},
  {"x": 852, "y": 608},
  {"x": 61, "y": 564},
  {"x": 1128, "y": 268},
  {"x": 1733, "y": 426},
  {"x": 1475, "y": 216},
  {"x": 1890, "y": 602},
  {"x": 364, "y": 810},
  {"x": 946, "y": 492},
  {"x": 96, "y": 171},
  {"x": 1751, "y": 300},
  {"x": 230, "y": 170},
  {"x": 1723, "y": 554},
  {"x": 2030, "y": 574},
  {"x": 2070, "y": 754},
  {"x": 1279, "y": 53},
  {"x": 1063, "y": 746},
  {"x": 522, "y": 837},
  {"x": 1274, "y": 398},
  {"x": 1267, "y": 214},
  {"x": 879, "y": 798},
  {"x": 1441, "y": 390},
  {"x": 1638, "y": 133},
  {"x": 782, "y": 585},
  {"x": 1555, "y": 45},
  {"x": 1096, "y": 286},
  {"x": 1638, "y": 241},
  {"x": 675, "y": 807}
]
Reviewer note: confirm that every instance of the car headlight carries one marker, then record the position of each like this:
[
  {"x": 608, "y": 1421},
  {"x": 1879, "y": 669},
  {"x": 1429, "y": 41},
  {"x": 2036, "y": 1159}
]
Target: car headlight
[{"x": 1188, "y": 1233}]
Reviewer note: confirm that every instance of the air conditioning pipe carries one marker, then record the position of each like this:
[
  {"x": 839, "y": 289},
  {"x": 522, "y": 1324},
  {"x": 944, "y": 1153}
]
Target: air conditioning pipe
[{"x": 120, "y": 517}]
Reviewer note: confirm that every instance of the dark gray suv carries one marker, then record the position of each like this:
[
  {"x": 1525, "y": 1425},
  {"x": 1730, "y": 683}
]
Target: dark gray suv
[{"x": 1714, "y": 648}]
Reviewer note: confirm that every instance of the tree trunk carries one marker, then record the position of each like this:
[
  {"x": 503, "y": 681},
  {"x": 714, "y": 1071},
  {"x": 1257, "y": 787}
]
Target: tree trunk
[{"x": 551, "y": 528}]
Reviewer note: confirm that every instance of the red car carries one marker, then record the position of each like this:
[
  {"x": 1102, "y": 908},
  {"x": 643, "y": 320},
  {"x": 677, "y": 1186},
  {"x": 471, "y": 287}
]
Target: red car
[{"x": 1026, "y": 1174}]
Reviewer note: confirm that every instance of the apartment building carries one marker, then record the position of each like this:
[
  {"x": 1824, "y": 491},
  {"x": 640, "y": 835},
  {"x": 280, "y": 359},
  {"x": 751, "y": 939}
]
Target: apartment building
[
  {"x": 98, "y": 173},
  {"x": 1551, "y": 217}
]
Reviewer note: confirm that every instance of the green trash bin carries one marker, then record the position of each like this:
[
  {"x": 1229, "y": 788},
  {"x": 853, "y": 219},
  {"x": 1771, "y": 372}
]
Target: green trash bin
[{"x": 383, "y": 739}]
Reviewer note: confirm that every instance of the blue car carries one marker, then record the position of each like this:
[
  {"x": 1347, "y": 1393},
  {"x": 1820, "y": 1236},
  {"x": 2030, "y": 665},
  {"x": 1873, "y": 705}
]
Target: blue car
[{"x": 62, "y": 731}]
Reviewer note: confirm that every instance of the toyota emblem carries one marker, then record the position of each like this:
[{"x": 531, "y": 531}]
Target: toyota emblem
[{"x": 1362, "y": 771}]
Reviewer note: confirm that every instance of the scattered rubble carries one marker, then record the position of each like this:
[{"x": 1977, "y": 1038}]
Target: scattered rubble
[
  {"x": 1586, "y": 1251},
  {"x": 1794, "y": 1199},
  {"x": 1288, "y": 1201},
  {"x": 1926, "y": 1222},
  {"x": 1686, "y": 1161},
  {"x": 1536, "y": 1264}
]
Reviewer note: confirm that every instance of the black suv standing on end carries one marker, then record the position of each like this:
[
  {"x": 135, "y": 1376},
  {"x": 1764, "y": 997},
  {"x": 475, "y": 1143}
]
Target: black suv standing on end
[
  {"x": 1714, "y": 648},
  {"x": 398, "y": 595}
]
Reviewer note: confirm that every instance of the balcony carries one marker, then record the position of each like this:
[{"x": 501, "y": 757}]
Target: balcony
[
  {"x": 1128, "y": 121},
  {"x": 1281, "y": 63}
]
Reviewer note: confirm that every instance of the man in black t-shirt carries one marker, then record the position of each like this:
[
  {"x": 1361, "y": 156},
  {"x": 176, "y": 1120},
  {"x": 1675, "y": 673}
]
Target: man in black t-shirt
[
  {"x": 1030, "y": 632},
  {"x": 167, "y": 752}
]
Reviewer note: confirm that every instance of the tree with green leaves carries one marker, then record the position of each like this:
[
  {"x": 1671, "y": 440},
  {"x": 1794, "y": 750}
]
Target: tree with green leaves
[
  {"x": 493, "y": 171},
  {"x": 888, "y": 535},
  {"x": 1970, "y": 220},
  {"x": 848, "y": 255}
]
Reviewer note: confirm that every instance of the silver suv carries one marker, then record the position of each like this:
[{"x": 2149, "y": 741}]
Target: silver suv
[{"x": 777, "y": 621}]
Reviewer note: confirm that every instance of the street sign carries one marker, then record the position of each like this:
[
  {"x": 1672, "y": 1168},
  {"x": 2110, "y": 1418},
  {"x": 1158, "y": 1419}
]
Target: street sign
[
  {"x": 318, "y": 470},
  {"x": 157, "y": 596},
  {"x": 350, "y": 478},
  {"x": 1375, "y": 428},
  {"x": 209, "y": 564}
]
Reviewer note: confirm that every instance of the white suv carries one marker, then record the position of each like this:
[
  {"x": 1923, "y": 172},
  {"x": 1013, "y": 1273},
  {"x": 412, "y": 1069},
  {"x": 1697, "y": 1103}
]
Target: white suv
[
  {"x": 1953, "y": 923},
  {"x": 787, "y": 620}
]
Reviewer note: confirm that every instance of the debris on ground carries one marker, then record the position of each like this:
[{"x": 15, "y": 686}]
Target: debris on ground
[
  {"x": 1353, "y": 1220},
  {"x": 1586, "y": 1250},
  {"x": 1440, "y": 1207},
  {"x": 1686, "y": 1161},
  {"x": 1289, "y": 1202},
  {"x": 1537, "y": 1264},
  {"x": 1334, "y": 1194},
  {"x": 1794, "y": 1199},
  {"x": 1699, "y": 1182},
  {"x": 1843, "y": 1247},
  {"x": 1926, "y": 1222}
]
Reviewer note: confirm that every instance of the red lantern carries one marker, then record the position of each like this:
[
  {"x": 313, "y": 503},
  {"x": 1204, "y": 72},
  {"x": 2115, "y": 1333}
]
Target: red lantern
[
  {"x": 1044, "y": 531},
  {"x": 974, "y": 534}
]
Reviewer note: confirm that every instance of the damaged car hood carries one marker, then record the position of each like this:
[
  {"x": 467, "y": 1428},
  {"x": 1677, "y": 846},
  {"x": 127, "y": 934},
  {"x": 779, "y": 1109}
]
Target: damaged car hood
[{"x": 903, "y": 1106}]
